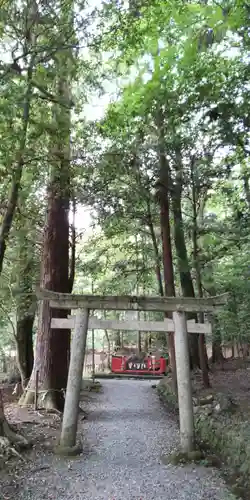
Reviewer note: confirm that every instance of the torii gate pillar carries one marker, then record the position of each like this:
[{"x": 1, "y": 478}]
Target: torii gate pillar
[
  {"x": 185, "y": 400},
  {"x": 67, "y": 444}
]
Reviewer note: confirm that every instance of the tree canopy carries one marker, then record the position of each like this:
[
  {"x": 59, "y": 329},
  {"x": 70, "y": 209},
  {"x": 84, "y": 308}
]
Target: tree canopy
[{"x": 169, "y": 153}]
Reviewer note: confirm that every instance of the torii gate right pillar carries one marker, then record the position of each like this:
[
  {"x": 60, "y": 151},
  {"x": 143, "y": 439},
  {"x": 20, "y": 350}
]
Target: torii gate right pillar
[{"x": 185, "y": 400}]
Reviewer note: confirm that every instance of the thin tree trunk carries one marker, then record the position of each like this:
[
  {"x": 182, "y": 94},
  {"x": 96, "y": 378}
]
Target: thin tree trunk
[
  {"x": 156, "y": 250},
  {"x": 118, "y": 343},
  {"x": 217, "y": 353},
  {"x": 109, "y": 350},
  {"x": 3, "y": 360},
  {"x": 8, "y": 216},
  {"x": 144, "y": 286},
  {"x": 9, "y": 213},
  {"x": 246, "y": 188},
  {"x": 145, "y": 343},
  {"x": 168, "y": 276},
  {"x": 196, "y": 261},
  {"x": 137, "y": 290},
  {"x": 184, "y": 268},
  {"x": 73, "y": 248},
  {"x": 163, "y": 198}
]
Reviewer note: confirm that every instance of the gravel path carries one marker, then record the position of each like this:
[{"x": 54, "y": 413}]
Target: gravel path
[{"x": 127, "y": 432}]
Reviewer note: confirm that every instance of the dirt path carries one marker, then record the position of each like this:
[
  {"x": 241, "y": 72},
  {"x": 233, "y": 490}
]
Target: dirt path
[{"x": 125, "y": 436}]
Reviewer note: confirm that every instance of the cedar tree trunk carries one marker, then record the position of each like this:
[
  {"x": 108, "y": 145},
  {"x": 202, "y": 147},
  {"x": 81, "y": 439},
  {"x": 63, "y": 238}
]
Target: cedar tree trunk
[
  {"x": 163, "y": 198},
  {"x": 196, "y": 264},
  {"x": 53, "y": 345},
  {"x": 184, "y": 268}
]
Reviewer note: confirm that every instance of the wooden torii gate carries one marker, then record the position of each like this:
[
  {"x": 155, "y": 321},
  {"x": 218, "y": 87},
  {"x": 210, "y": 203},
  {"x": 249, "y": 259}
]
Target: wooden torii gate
[{"x": 82, "y": 322}]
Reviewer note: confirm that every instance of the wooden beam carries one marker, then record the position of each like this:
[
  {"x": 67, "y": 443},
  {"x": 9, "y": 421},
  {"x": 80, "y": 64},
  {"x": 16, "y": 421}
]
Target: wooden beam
[
  {"x": 140, "y": 303},
  {"x": 131, "y": 325}
]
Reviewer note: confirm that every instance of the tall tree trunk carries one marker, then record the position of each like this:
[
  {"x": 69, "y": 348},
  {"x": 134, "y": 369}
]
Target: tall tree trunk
[
  {"x": 3, "y": 360},
  {"x": 29, "y": 13},
  {"x": 139, "y": 338},
  {"x": 156, "y": 250},
  {"x": 24, "y": 342},
  {"x": 196, "y": 263},
  {"x": 8, "y": 216},
  {"x": 118, "y": 342},
  {"x": 137, "y": 290},
  {"x": 72, "y": 264},
  {"x": 168, "y": 271},
  {"x": 245, "y": 174},
  {"x": 184, "y": 268},
  {"x": 217, "y": 353},
  {"x": 109, "y": 350},
  {"x": 26, "y": 303},
  {"x": 53, "y": 345}
]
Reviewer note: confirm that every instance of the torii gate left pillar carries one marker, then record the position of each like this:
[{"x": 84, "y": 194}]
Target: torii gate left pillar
[{"x": 67, "y": 444}]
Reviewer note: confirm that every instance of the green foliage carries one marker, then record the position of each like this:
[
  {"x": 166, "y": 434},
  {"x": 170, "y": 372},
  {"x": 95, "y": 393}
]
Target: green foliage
[
  {"x": 183, "y": 80},
  {"x": 225, "y": 436},
  {"x": 39, "y": 51},
  {"x": 182, "y": 76}
]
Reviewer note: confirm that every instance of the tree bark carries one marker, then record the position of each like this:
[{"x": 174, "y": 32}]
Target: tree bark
[
  {"x": 9, "y": 213},
  {"x": 196, "y": 262},
  {"x": 118, "y": 342},
  {"x": 168, "y": 271},
  {"x": 108, "y": 342},
  {"x": 245, "y": 177},
  {"x": 26, "y": 303},
  {"x": 137, "y": 288},
  {"x": 72, "y": 265},
  {"x": 52, "y": 345},
  {"x": 184, "y": 268},
  {"x": 24, "y": 342},
  {"x": 3, "y": 360},
  {"x": 217, "y": 353},
  {"x": 156, "y": 250},
  {"x": 109, "y": 350},
  {"x": 8, "y": 216}
]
